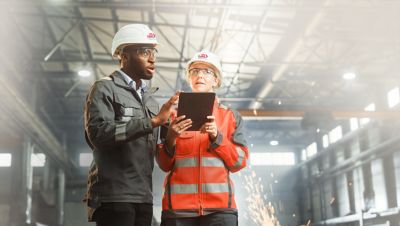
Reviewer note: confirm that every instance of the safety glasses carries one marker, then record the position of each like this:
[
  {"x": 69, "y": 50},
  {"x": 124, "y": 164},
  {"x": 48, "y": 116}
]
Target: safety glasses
[
  {"x": 146, "y": 52},
  {"x": 204, "y": 71}
]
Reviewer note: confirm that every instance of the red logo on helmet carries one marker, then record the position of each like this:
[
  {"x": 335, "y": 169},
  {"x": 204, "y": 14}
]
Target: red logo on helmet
[
  {"x": 202, "y": 56},
  {"x": 151, "y": 35}
]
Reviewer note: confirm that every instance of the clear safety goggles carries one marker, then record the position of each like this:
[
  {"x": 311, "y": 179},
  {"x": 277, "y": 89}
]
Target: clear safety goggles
[
  {"x": 145, "y": 52},
  {"x": 204, "y": 71}
]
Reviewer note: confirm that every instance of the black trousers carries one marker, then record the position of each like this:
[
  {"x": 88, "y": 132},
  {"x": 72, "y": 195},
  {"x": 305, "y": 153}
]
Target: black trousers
[
  {"x": 124, "y": 214},
  {"x": 214, "y": 219}
]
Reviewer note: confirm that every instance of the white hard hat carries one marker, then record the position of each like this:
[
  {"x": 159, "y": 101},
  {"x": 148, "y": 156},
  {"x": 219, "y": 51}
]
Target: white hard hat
[
  {"x": 210, "y": 58},
  {"x": 132, "y": 34}
]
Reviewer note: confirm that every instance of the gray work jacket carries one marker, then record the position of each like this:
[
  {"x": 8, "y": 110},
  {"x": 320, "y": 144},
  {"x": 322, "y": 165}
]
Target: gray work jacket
[{"x": 118, "y": 129}]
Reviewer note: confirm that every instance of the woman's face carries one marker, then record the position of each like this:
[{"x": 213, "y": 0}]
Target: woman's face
[{"x": 202, "y": 77}]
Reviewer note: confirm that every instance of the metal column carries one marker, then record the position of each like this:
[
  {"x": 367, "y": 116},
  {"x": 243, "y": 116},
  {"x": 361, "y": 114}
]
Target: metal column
[
  {"x": 60, "y": 196},
  {"x": 28, "y": 179}
]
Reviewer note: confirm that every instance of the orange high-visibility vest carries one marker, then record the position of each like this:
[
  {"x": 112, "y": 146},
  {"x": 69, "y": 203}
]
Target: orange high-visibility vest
[{"x": 198, "y": 180}]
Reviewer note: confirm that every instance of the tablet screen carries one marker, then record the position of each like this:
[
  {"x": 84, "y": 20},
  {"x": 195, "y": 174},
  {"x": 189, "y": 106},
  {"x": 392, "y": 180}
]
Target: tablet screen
[{"x": 196, "y": 106}]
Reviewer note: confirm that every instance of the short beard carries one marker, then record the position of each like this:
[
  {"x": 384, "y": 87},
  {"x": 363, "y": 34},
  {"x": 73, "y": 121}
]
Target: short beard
[{"x": 147, "y": 76}]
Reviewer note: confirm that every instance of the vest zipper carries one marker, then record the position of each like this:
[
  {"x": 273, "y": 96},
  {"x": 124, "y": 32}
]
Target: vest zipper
[{"x": 201, "y": 212}]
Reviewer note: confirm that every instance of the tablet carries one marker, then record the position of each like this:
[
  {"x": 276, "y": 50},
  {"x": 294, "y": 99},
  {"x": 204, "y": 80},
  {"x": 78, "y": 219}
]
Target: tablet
[{"x": 196, "y": 106}]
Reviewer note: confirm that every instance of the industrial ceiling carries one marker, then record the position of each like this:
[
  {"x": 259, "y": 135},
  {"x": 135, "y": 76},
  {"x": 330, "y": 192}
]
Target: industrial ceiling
[{"x": 282, "y": 60}]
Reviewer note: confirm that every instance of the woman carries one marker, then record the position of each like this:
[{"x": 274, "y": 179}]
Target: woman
[{"x": 198, "y": 190}]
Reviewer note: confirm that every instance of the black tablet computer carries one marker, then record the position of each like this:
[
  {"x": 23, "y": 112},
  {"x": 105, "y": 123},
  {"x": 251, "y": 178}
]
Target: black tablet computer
[{"x": 196, "y": 106}]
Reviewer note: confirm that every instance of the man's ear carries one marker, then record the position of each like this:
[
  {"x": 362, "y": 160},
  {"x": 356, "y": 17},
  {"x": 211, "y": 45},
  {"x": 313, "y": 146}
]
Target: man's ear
[{"x": 123, "y": 58}]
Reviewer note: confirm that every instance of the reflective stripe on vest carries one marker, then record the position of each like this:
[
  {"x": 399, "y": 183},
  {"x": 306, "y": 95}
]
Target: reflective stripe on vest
[
  {"x": 120, "y": 132},
  {"x": 212, "y": 162},
  {"x": 186, "y": 162},
  {"x": 183, "y": 189},
  {"x": 241, "y": 155},
  {"x": 206, "y": 188},
  {"x": 215, "y": 187},
  {"x": 205, "y": 161}
]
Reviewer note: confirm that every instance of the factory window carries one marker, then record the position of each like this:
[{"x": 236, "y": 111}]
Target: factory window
[
  {"x": 335, "y": 134},
  {"x": 358, "y": 185},
  {"x": 370, "y": 107},
  {"x": 393, "y": 97},
  {"x": 272, "y": 159},
  {"x": 38, "y": 159},
  {"x": 325, "y": 141},
  {"x": 353, "y": 124},
  {"x": 378, "y": 184},
  {"x": 355, "y": 147},
  {"x": 396, "y": 160},
  {"x": 303, "y": 155},
  {"x": 5, "y": 160},
  {"x": 311, "y": 150},
  {"x": 85, "y": 159}
]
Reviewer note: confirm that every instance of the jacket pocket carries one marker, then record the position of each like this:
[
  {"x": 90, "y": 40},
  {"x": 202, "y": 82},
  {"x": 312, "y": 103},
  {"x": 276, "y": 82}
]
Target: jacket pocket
[
  {"x": 185, "y": 144},
  {"x": 153, "y": 109},
  {"x": 127, "y": 108}
]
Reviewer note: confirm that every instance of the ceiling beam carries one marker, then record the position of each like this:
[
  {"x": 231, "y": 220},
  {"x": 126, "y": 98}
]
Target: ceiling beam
[
  {"x": 59, "y": 42},
  {"x": 178, "y": 81},
  {"x": 157, "y": 24},
  {"x": 297, "y": 114},
  {"x": 176, "y": 60},
  {"x": 251, "y": 42},
  {"x": 291, "y": 43},
  {"x": 141, "y": 5}
]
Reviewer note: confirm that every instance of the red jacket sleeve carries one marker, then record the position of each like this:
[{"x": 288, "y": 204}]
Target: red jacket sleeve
[
  {"x": 232, "y": 148},
  {"x": 165, "y": 158}
]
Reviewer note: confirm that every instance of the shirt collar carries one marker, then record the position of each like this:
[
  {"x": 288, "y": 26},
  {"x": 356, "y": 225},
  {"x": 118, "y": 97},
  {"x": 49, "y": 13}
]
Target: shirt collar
[{"x": 132, "y": 83}]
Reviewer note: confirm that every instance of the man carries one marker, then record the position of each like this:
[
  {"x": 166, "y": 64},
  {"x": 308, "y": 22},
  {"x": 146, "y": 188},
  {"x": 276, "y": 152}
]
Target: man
[{"x": 121, "y": 123}]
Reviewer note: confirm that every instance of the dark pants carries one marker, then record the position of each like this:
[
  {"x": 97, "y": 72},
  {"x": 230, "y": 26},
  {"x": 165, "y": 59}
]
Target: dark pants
[
  {"x": 124, "y": 214},
  {"x": 214, "y": 219}
]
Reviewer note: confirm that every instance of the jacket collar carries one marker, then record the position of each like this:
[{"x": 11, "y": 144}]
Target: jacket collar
[
  {"x": 131, "y": 82},
  {"x": 217, "y": 104},
  {"x": 119, "y": 81}
]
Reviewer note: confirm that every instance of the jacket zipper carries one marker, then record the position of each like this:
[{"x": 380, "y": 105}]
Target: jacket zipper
[
  {"x": 200, "y": 180},
  {"x": 145, "y": 112}
]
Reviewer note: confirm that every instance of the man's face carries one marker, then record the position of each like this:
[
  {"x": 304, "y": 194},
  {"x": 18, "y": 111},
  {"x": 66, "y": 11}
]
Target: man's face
[{"x": 139, "y": 61}]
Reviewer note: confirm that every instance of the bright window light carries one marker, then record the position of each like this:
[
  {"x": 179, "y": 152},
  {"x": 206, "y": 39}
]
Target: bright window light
[
  {"x": 349, "y": 76},
  {"x": 353, "y": 124},
  {"x": 393, "y": 97},
  {"x": 85, "y": 159},
  {"x": 5, "y": 160},
  {"x": 325, "y": 141},
  {"x": 272, "y": 159},
  {"x": 38, "y": 159},
  {"x": 84, "y": 73},
  {"x": 364, "y": 121},
  {"x": 311, "y": 149},
  {"x": 274, "y": 142},
  {"x": 369, "y": 107},
  {"x": 303, "y": 155},
  {"x": 335, "y": 134}
]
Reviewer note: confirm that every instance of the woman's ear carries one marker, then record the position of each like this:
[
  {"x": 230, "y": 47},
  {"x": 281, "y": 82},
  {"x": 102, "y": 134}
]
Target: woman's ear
[{"x": 215, "y": 82}]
